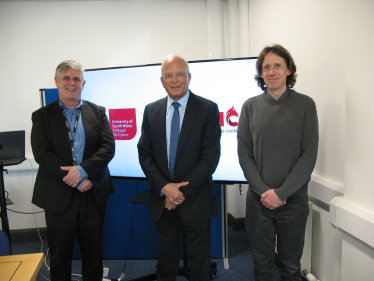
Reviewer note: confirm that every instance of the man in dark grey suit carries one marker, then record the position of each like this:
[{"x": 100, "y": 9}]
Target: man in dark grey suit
[
  {"x": 73, "y": 143},
  {"x": 179, "y": 167}
]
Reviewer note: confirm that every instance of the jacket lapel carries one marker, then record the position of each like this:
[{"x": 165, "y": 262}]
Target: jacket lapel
[
  {"x": 59, "y": 117},
  {"x": 161, "y": 128},
  {"x": 86, "y": 117},
  {"x": 190, "y": 114}
]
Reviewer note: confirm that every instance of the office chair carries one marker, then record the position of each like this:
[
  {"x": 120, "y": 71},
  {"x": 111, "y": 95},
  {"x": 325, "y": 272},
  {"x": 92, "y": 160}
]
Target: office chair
[{"x": 4, "y": 244}]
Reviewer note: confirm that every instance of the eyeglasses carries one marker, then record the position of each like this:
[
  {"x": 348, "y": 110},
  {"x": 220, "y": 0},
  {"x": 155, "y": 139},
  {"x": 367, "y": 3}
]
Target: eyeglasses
[{"x": 179, "y": 74}]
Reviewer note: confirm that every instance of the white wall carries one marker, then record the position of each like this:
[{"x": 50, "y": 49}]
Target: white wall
[
  {"x": 330, "y": 40},
  {"x": 358, "y": 259},
  {"x": 37, "y": 36},
  {"x": 359, "y": 151}
]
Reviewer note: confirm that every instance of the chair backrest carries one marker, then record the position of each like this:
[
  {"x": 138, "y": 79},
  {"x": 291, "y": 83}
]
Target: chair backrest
[{"x": 4, "y": 244}]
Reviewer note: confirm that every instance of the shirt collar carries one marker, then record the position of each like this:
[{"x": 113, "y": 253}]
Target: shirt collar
[
  {"x": 182, "y": 101},
  {"x": 286, "y": 94},
  {"x": 63, "y": 106}
]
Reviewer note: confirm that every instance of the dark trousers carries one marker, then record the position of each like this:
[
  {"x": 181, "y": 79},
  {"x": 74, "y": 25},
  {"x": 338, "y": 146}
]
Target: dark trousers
[
  {"x": 283, "y": 227},
  {"x": 83, "y": 218},
  {"x": 197, "y": 236}
]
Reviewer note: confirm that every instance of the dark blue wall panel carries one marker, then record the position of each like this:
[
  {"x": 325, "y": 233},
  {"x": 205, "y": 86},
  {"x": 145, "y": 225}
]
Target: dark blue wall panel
[
  {"x": 51, "y": 95},
  {"x": 122, "y": 216}
]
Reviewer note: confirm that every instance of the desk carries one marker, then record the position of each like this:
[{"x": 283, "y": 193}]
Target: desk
[{"x": 20, "y": 267}]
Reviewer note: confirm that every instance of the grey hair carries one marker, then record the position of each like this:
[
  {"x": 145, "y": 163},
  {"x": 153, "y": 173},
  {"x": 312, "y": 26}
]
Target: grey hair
[{"x": 67, "y": 65}]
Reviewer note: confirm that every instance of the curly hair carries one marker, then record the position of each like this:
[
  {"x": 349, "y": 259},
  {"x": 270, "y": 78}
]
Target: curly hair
[{"x": 285, "y": 54}]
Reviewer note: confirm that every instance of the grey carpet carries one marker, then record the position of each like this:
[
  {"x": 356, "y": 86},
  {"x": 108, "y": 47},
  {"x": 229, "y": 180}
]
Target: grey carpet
[{"x": 240, "y": 262}]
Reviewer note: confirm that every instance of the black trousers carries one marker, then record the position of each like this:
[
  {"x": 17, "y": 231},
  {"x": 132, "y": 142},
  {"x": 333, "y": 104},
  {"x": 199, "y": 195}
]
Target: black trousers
[
  {"x": 83, "y": 218},
  {"x": 284, "y": 228},
  {"x": 197, "y": 236}
]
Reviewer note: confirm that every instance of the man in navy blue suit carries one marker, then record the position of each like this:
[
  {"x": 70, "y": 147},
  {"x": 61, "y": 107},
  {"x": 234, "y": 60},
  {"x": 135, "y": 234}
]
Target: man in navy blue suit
[{"x": 179, "y": 168}]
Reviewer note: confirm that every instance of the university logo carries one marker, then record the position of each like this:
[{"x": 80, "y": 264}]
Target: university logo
[
  {"x": 123, "y": 123},
  {"x": 232, "y": 117}
]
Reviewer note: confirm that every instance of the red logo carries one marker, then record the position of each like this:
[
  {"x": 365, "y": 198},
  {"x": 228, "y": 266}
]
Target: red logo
[
  {"x": 230, "y": 117},
  {"x": 123, "y": 123}
]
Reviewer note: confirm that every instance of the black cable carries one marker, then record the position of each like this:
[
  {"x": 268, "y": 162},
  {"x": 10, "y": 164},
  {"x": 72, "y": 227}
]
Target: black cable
[
  {"x": 7, "y": 195},
  {"x": 24, "y": 212},
  {"x": 132, "y": 229}
]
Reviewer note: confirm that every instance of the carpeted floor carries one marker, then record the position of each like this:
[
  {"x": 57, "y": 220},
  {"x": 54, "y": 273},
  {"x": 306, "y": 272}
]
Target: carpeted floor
[{"x": 240, "y": 262}]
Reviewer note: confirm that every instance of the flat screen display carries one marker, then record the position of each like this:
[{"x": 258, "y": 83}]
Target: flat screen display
[{"x": 125, "y": 91}]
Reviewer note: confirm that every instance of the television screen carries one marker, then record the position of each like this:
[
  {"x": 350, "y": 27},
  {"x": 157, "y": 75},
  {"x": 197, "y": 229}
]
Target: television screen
[{"x": 125, "y": 91}]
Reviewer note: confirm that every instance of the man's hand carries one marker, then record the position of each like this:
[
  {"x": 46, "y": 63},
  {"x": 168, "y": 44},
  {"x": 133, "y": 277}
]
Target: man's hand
[
  {"x": 73, "y": 178},
  {"x": 169, "y": 205},
  {"x": 173, "y": 194},
  {"x": 86, "y": 186},
  {"x": 271, "y": 200}
]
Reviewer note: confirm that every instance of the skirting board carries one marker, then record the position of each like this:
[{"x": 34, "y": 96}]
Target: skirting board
[
  {"x": 236, "y": 224},
  {"x": 28, "y": 235}
]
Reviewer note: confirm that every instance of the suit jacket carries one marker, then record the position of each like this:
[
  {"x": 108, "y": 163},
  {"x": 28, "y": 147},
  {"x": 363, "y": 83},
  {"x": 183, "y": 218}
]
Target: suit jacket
[
  {"x": 196, "y": 159},
  {"x": 51, "y": 147}
]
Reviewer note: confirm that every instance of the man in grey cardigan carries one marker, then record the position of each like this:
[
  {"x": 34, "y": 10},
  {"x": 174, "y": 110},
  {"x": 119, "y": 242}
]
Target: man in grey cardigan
[{"x": 277, "y": 148}]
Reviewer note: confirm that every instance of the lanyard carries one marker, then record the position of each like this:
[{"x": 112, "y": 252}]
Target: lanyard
[{"x": 72, "y": 135}]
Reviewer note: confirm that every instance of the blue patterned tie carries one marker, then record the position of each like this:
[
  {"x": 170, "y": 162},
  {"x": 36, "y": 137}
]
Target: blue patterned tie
[{"x": 174, "y": 137}]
